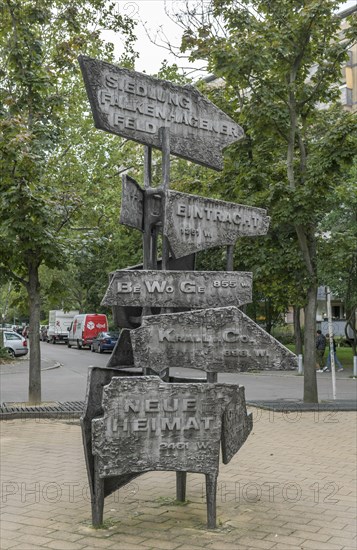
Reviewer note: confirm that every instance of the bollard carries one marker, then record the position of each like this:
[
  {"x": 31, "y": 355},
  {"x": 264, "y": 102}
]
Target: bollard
[
  {"x": 355, "y": 365},
  {"x": 300, "y": 365}
]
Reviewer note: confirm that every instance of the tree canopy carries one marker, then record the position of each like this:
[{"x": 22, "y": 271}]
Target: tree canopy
[
  {"x": 41, "y": 98},
  {"x": 280, "y": 65}
]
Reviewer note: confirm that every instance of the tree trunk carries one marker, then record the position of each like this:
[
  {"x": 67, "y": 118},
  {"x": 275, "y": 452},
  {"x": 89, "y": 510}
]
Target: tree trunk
[
  {"x": 310, "y": 382},
  {"x": 268, "y": 316},
  {"x": 297, "y": 330},
  {"x": 4, "y": 314},
  {"x": 33, "y": 289},
  {"x": 351, "y": 326}
]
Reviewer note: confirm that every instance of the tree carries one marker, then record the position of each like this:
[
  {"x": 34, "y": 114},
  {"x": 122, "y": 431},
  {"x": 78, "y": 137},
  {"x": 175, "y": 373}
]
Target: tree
[
  {"x": 279, "y": 62},
  {"x": 39, "y": 43},
  {"x": 338, "y": 248}
]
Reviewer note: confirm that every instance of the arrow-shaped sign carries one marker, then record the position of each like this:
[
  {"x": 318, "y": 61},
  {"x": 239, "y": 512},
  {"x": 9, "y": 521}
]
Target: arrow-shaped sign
[
  {"x": 214, "y": 340},
  {"x": 194, "y": 223},
  {"x": 136, "y": 106},
  {"x": 192, "y": 289}
]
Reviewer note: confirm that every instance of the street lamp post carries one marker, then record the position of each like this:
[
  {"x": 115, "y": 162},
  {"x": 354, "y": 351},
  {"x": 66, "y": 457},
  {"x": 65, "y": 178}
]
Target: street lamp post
[{"x": 330, "y": 332}]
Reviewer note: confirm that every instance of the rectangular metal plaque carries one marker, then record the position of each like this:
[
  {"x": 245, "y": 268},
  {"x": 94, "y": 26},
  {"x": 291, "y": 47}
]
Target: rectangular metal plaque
[
  {"x": 98, "y": 377},
  {"x": 196, "y": 289},
  {"x": 194, "y": 223},
  {"x": 151, "y": 425},
  {"x": 213, "y": 340},
  {"x": 236, "y": 426},
  {"x": 132, "y": 203},
  {"x": 136, "y": 106},
  {"x": 130, "y": 316}
]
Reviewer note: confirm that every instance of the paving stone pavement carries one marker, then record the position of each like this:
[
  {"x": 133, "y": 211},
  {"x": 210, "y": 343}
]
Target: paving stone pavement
[{"x": 292, "y": 486}]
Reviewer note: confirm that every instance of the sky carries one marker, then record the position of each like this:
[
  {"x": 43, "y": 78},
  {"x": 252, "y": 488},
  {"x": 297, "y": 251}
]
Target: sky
[
  {"x": 151, "y": 19},
  {"x": 150, "y": 14}
]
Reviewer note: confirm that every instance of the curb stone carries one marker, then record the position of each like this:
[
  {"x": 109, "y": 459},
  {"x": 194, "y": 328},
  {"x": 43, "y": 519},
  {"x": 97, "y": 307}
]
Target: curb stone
[{"x": 74, "y": 409}]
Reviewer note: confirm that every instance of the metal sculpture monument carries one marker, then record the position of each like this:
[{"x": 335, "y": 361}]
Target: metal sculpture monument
[{"x": 169, "y": 313}]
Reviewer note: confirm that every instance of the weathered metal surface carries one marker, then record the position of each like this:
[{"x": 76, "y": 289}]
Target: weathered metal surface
[
  {"x": 150, "y": 425},
  {"x": 136, "y": 106},
  {"x": 97, "y": 378},
  {"x": 214, "y": 340},
  {"x": 132, "y": 203},
  {"x": 135, "y": 201},
  {"x": 194, "y": 223},
  {"x": 236, "y": 426},
  {"x": 197, "y": 289},
  {"x": 130, "y": 316},
  {"x": 122, "y": 355}
]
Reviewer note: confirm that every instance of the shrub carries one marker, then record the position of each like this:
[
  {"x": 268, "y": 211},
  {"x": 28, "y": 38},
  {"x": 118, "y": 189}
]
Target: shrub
[
  {"x": 4, "y": 356},
  {"x": 285, "y": 335}
]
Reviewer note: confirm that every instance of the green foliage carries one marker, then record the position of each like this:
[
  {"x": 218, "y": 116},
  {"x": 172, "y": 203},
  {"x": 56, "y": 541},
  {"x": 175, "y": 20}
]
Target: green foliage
[
  {"x": 41, "y": 91},
  {"x": 278, "y": 62},
  {"x": 338, "y": 241},
  {"x": 44, "y": 123},
  {"x": 172, "y": 73},
  {"x": 169, "y": 501},
  {"x": 284, "y": 334},
  {"x": 5, "y": 357}
]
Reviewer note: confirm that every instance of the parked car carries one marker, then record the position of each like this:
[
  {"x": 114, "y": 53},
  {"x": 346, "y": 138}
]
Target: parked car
[
  {"x": 15, "y": 344},
  {"x": 104, "y": 341}
]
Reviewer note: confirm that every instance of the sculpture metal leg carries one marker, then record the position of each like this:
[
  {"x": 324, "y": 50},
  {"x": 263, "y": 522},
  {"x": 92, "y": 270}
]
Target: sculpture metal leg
[
  {"x": 98, "y": 497},
  {"x": 211, "y": 491},
  {"x": 181, "y": 486}
]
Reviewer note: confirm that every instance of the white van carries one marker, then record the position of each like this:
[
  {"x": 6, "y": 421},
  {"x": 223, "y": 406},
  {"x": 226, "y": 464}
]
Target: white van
[
  {"x": 85, "y": 327},
  {"x": 58, "y": 324}
]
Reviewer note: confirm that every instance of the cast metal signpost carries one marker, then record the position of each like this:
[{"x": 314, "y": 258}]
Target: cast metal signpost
[
  {"x": 132, "y": 204},
  {"x": 137, "y": 106},
  {"x": 150, "y": 425},
  {"x": 134, "y": 420},
  {"x": 195, "y": 289},
  {"x": 195, "y": 223},
  {"x": 130, "y": 316},
  {"x": 214, "y": 340},
  {"x": 192, "y": 223}
]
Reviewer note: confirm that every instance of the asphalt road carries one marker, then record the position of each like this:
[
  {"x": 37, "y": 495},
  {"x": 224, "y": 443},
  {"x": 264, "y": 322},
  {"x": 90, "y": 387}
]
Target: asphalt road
[
  {"x": 64, "y": 378},
  {"x": 63, "y": 374}
]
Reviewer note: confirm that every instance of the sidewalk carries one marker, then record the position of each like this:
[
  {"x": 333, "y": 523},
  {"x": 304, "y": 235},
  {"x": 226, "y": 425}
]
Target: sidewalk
[{"x": 291, "y": 487}]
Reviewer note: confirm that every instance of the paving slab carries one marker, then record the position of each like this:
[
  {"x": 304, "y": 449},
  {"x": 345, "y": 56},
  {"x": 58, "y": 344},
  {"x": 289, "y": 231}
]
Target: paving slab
[{"x": 291, "y": 486}]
